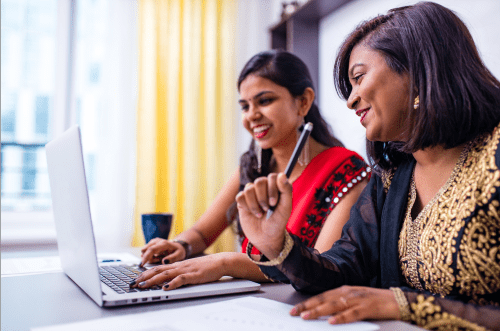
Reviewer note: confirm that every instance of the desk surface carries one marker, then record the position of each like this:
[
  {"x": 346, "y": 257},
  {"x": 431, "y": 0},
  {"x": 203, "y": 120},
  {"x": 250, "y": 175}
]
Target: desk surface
[{"x": 49, "y": 299}]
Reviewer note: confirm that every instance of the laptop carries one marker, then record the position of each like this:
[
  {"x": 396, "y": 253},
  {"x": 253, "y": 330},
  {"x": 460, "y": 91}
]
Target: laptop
[{"x": 106, "y": 284}]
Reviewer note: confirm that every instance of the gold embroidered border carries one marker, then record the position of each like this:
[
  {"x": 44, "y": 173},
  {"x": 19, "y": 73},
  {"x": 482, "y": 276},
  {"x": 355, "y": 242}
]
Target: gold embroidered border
[
  {"x": 386, "y": 177},
  {"x": 428, "y": 315},
  {"x": 404, "y": 308},
  {"x": 414, "y": 228}
]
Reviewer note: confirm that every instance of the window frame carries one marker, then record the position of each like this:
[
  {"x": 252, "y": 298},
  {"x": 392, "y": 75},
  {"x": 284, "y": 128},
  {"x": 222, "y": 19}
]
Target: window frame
[{"x": 38, "y": 228}]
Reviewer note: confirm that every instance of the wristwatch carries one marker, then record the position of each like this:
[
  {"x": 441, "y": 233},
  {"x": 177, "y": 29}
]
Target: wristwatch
[{"x": 187, "y": 247}]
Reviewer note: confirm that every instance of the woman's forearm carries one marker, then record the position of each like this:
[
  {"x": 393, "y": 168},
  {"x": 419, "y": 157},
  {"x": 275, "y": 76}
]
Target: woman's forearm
[
  {"x": 194, "y": 238},
  {"x": 238, "y": 265}
]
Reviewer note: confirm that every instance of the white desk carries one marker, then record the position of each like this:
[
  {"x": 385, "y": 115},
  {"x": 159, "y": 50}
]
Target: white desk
[{"x": 49, "y": 299}]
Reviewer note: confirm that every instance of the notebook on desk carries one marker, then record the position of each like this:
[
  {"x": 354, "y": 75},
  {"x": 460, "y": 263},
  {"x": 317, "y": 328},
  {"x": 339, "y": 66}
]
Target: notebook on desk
[{"x": 106, "y": 284}]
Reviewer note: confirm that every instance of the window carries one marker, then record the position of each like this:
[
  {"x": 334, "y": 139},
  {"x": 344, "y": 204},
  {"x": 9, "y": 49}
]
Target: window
[
  {"x": 9, "y": 105},
  {"x": 27, "y": 66},
  {"x": 65, "y": 62},
  {"x": 42, "y": 116}
]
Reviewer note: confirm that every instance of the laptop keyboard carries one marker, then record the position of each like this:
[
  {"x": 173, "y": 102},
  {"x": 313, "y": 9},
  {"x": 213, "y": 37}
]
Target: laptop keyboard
[{"x": 118, "y": 277}]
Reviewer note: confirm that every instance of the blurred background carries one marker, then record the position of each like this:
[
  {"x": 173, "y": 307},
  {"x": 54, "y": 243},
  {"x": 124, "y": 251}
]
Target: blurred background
[{"x": 152, "y": 85}]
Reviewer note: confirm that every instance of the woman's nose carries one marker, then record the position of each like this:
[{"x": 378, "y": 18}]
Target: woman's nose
[
  {"x": 353, "y": 100},
  {"x": 253, "y": 113}
]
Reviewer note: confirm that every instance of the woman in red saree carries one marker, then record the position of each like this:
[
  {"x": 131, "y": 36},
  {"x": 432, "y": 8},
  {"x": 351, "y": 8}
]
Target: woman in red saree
[
  {"x": 276, "y": 98},
  {"x": 321, "y": 187}
]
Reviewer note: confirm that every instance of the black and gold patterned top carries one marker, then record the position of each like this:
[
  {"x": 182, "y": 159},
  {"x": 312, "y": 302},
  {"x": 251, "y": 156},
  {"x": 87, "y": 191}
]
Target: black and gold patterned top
[
  {"x": 452, "y": 247},
  {"x": 446, "y": 260}
]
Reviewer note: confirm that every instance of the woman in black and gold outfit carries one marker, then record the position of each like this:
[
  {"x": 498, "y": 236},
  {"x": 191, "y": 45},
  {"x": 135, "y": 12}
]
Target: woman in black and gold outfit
[{"x": 423, "y": 240}]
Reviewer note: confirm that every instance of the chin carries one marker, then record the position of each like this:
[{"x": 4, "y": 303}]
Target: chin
[
  {"x": 262, "y": 145},
  {"x": 371, "y": 137}
]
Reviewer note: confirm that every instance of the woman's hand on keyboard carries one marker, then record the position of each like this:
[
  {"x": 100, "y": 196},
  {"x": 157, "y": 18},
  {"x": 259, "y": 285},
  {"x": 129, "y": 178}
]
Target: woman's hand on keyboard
[
  {"x": 199, "y": 270},
  {"x": 162, "y": 250}
]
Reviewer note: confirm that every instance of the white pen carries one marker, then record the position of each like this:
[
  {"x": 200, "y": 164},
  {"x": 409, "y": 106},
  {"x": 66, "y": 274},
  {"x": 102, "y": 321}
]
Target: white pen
[{"x": 293, "y": 160}]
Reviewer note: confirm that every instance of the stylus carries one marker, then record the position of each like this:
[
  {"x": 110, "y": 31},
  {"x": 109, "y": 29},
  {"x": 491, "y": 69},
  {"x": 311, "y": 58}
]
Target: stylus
[{"x": 293, "y": 160}]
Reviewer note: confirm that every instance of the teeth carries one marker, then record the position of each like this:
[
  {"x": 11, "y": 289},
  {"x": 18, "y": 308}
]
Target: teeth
[
  {"x": 261, "y": 128},
  {"x": 362, "y": 113}
]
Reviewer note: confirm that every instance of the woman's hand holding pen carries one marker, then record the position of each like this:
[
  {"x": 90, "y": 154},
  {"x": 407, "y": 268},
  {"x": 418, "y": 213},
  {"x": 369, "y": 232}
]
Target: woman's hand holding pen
[
  {"x": 267, "y": 234},
  {"x": 271, "y": 195},
  {"x": 162, "y": 250}
]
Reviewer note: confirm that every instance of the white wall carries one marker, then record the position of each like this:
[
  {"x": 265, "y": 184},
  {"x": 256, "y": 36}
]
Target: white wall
[
  {"x": 480, "y": 16},
  {"x": 255, "y": 17}
]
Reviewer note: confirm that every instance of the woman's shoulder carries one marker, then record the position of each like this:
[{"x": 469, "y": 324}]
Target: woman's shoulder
[
  {"x": 484, "y": 150},
  {"x": 340, "y": 154},
  {"x": 385, "y": 176},
  {"x": 334, "y": 161},
  {"x": 482, "y": 164},
  {"x": 338, "y": 162}
]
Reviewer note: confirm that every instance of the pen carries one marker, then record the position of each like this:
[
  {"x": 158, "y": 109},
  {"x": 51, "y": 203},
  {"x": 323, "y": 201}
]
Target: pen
[{"x": 293, "y": 160}]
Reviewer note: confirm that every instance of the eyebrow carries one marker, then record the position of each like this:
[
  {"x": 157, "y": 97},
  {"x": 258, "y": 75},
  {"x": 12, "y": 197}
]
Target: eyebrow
[
  {"x": 353, "y": 67},
  {"x": 255, "y": 96}
]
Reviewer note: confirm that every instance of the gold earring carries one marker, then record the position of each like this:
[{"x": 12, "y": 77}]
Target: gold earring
[{"x": 416, "y": 103}]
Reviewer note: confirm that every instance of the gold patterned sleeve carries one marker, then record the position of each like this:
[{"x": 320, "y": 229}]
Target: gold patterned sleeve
[{"x": 436, "y": 313}]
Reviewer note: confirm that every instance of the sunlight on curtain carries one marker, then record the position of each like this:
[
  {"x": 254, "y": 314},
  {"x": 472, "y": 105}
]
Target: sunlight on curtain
[{"x": 187, "y": 105}]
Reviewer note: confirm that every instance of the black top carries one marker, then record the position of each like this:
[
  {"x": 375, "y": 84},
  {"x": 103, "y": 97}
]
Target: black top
[{"x": 449, "y": 256}]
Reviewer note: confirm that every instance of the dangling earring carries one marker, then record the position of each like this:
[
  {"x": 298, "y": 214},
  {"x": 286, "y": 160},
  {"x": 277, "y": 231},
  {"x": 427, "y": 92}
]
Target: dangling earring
[
  {"x": 258, "y": 152},
  {"x": 304, "y": 155},
  {"x": 416, "y": 103}
]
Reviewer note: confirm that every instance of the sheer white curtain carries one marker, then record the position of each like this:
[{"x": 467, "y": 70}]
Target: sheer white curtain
[{"x": 107, "y": 114}]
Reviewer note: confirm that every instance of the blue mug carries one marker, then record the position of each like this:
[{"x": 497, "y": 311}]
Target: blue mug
[{"x": 156, "y": 225}]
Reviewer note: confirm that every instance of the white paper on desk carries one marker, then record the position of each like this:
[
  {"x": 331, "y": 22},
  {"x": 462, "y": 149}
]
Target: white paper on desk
[
  {"x": 30, "y": 265},
  {"x": 242, "y": 314},
  {"x": 45, "y": 264}
]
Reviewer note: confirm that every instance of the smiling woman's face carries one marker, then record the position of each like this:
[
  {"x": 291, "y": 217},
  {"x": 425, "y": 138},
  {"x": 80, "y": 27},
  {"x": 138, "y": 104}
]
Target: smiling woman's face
[
  {"x": 379, "y": 95},
  {"x": 269, "y": 112}
]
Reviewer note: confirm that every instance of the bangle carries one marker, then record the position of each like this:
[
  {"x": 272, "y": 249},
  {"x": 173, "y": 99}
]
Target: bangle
[
  {"x": 404, "y": 308},
  {"x": 187, "y": 247},
  {"x": 281, "y": 257}
]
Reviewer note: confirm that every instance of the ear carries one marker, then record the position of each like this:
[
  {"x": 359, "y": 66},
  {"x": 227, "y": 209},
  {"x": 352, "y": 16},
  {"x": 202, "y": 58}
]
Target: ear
[{"x": 306, "y": 100}]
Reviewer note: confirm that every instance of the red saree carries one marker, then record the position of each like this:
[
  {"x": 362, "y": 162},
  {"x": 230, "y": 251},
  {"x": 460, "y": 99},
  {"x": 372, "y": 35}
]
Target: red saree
[{"x": 320, "y": 187}]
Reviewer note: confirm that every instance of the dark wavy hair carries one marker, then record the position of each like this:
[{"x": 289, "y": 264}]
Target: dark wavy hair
[
  {"x": 287, "y": 70},
  {"x": 459, "y": 96}
]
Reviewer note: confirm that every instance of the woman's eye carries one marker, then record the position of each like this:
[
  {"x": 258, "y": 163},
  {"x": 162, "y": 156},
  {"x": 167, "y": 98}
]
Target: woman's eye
[
  {"x": 244, "y": 108},
  {"x": 265, "y": 101},
  {"x": 356, "y": 78}
]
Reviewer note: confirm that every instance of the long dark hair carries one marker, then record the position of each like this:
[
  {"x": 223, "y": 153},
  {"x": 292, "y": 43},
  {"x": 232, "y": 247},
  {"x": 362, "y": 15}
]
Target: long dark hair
[
  {"x": 287, "y": 70},
  {"x": 459, "y": 96}
]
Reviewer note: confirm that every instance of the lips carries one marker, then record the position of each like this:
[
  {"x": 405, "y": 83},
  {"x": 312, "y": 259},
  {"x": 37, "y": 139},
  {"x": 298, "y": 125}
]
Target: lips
[
  {"x": 362, "y": 113},
  {"x": 260, "y": 131}
]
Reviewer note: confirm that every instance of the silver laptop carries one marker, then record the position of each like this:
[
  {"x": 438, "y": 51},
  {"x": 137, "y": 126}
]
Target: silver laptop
[{"x": 106, "y": 284}]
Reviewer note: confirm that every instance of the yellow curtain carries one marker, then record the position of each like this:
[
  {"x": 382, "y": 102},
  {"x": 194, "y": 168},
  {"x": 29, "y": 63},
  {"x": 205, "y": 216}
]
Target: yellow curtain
[{"x": 186, "y": 110}]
